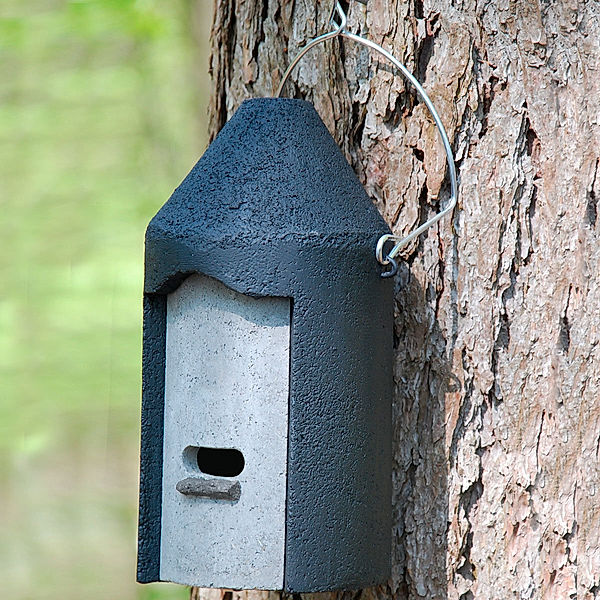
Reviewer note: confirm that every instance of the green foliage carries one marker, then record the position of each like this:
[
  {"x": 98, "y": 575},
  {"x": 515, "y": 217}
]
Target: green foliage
[{"x": 99, "y": 105}]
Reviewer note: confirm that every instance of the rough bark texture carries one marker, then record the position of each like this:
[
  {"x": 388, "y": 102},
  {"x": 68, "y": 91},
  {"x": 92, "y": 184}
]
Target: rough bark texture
[{"x": 497, "y": 404}]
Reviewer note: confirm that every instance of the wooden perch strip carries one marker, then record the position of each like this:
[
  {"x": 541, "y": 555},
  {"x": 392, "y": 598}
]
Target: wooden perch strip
[{"x": 216, "y": 489}]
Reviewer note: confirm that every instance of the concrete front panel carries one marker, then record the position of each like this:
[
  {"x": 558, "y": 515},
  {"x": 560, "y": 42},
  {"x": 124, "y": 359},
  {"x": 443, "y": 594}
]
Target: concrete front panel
[{"x": 226, "y": 387}]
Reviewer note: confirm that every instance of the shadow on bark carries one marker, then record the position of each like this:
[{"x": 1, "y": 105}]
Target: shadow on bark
[{"x": 423, "y": 377}]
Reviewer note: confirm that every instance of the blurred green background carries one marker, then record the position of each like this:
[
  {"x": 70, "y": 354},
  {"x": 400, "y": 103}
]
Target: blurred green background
[{"x": 102, "y": 113}]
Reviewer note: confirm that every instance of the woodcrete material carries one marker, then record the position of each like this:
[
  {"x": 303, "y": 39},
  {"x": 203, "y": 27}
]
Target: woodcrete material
[
  {"x": 273, "y": 210},
  {"x": 226, "y": 386}
]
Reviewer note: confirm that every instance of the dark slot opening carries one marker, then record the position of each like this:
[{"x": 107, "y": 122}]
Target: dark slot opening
[{"x": 221, "y": 462}]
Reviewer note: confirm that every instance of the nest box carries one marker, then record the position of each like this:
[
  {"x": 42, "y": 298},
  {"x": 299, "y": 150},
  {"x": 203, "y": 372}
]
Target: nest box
[{"x": 267, "y": 367}]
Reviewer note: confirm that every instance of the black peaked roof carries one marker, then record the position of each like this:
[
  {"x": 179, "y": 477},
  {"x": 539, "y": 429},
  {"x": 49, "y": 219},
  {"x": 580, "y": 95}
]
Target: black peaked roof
[{"x": 274, "y": 169}]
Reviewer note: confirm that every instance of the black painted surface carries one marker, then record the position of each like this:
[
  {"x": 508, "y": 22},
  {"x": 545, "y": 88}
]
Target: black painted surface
[
  {"x": 151, "y": 454},
  {"x": 274, "y": 209}
]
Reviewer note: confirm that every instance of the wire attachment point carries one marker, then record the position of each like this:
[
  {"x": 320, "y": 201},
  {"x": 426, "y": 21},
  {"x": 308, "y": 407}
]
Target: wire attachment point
[
  {"x": 338, "y": 12},
  {"x": 338, "y": 20},
  {"x": 393, "y": 267}
]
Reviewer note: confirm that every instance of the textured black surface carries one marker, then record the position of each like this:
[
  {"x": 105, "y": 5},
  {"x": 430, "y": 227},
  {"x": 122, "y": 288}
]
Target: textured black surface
[
  {"x": 151, "y": 455},
  {"x": 274, "y": 209}
]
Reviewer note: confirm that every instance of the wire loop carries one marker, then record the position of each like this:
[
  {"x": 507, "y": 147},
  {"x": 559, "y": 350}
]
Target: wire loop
[
  {"x": 393, "y": 267},
  {"x": 339, "y": 20}
]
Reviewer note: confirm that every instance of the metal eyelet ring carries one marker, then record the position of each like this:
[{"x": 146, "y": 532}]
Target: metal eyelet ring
[{"x": 393, "y": 270}]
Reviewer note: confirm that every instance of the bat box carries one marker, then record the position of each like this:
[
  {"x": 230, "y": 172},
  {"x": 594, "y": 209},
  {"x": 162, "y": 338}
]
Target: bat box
[{"x": 267, "y": 367}]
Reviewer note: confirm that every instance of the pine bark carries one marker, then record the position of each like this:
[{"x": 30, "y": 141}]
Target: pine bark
[{"x": 497, "y": 331}]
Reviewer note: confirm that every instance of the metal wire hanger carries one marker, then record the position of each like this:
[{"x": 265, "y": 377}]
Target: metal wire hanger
[{"x": 338, "y": 21}]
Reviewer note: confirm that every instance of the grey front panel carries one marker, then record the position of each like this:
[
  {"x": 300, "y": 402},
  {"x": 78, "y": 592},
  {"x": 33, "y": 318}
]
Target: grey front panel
[{"x": 226, "y": 387}]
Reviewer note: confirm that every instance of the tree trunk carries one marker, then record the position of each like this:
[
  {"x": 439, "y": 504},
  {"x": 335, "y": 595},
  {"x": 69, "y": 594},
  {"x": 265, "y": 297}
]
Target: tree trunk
[{"x": 497, "y": 402}]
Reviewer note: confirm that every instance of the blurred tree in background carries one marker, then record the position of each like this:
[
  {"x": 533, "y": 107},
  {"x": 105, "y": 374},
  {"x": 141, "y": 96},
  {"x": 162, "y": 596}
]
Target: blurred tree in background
[{"x": 102, "y": 112}]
